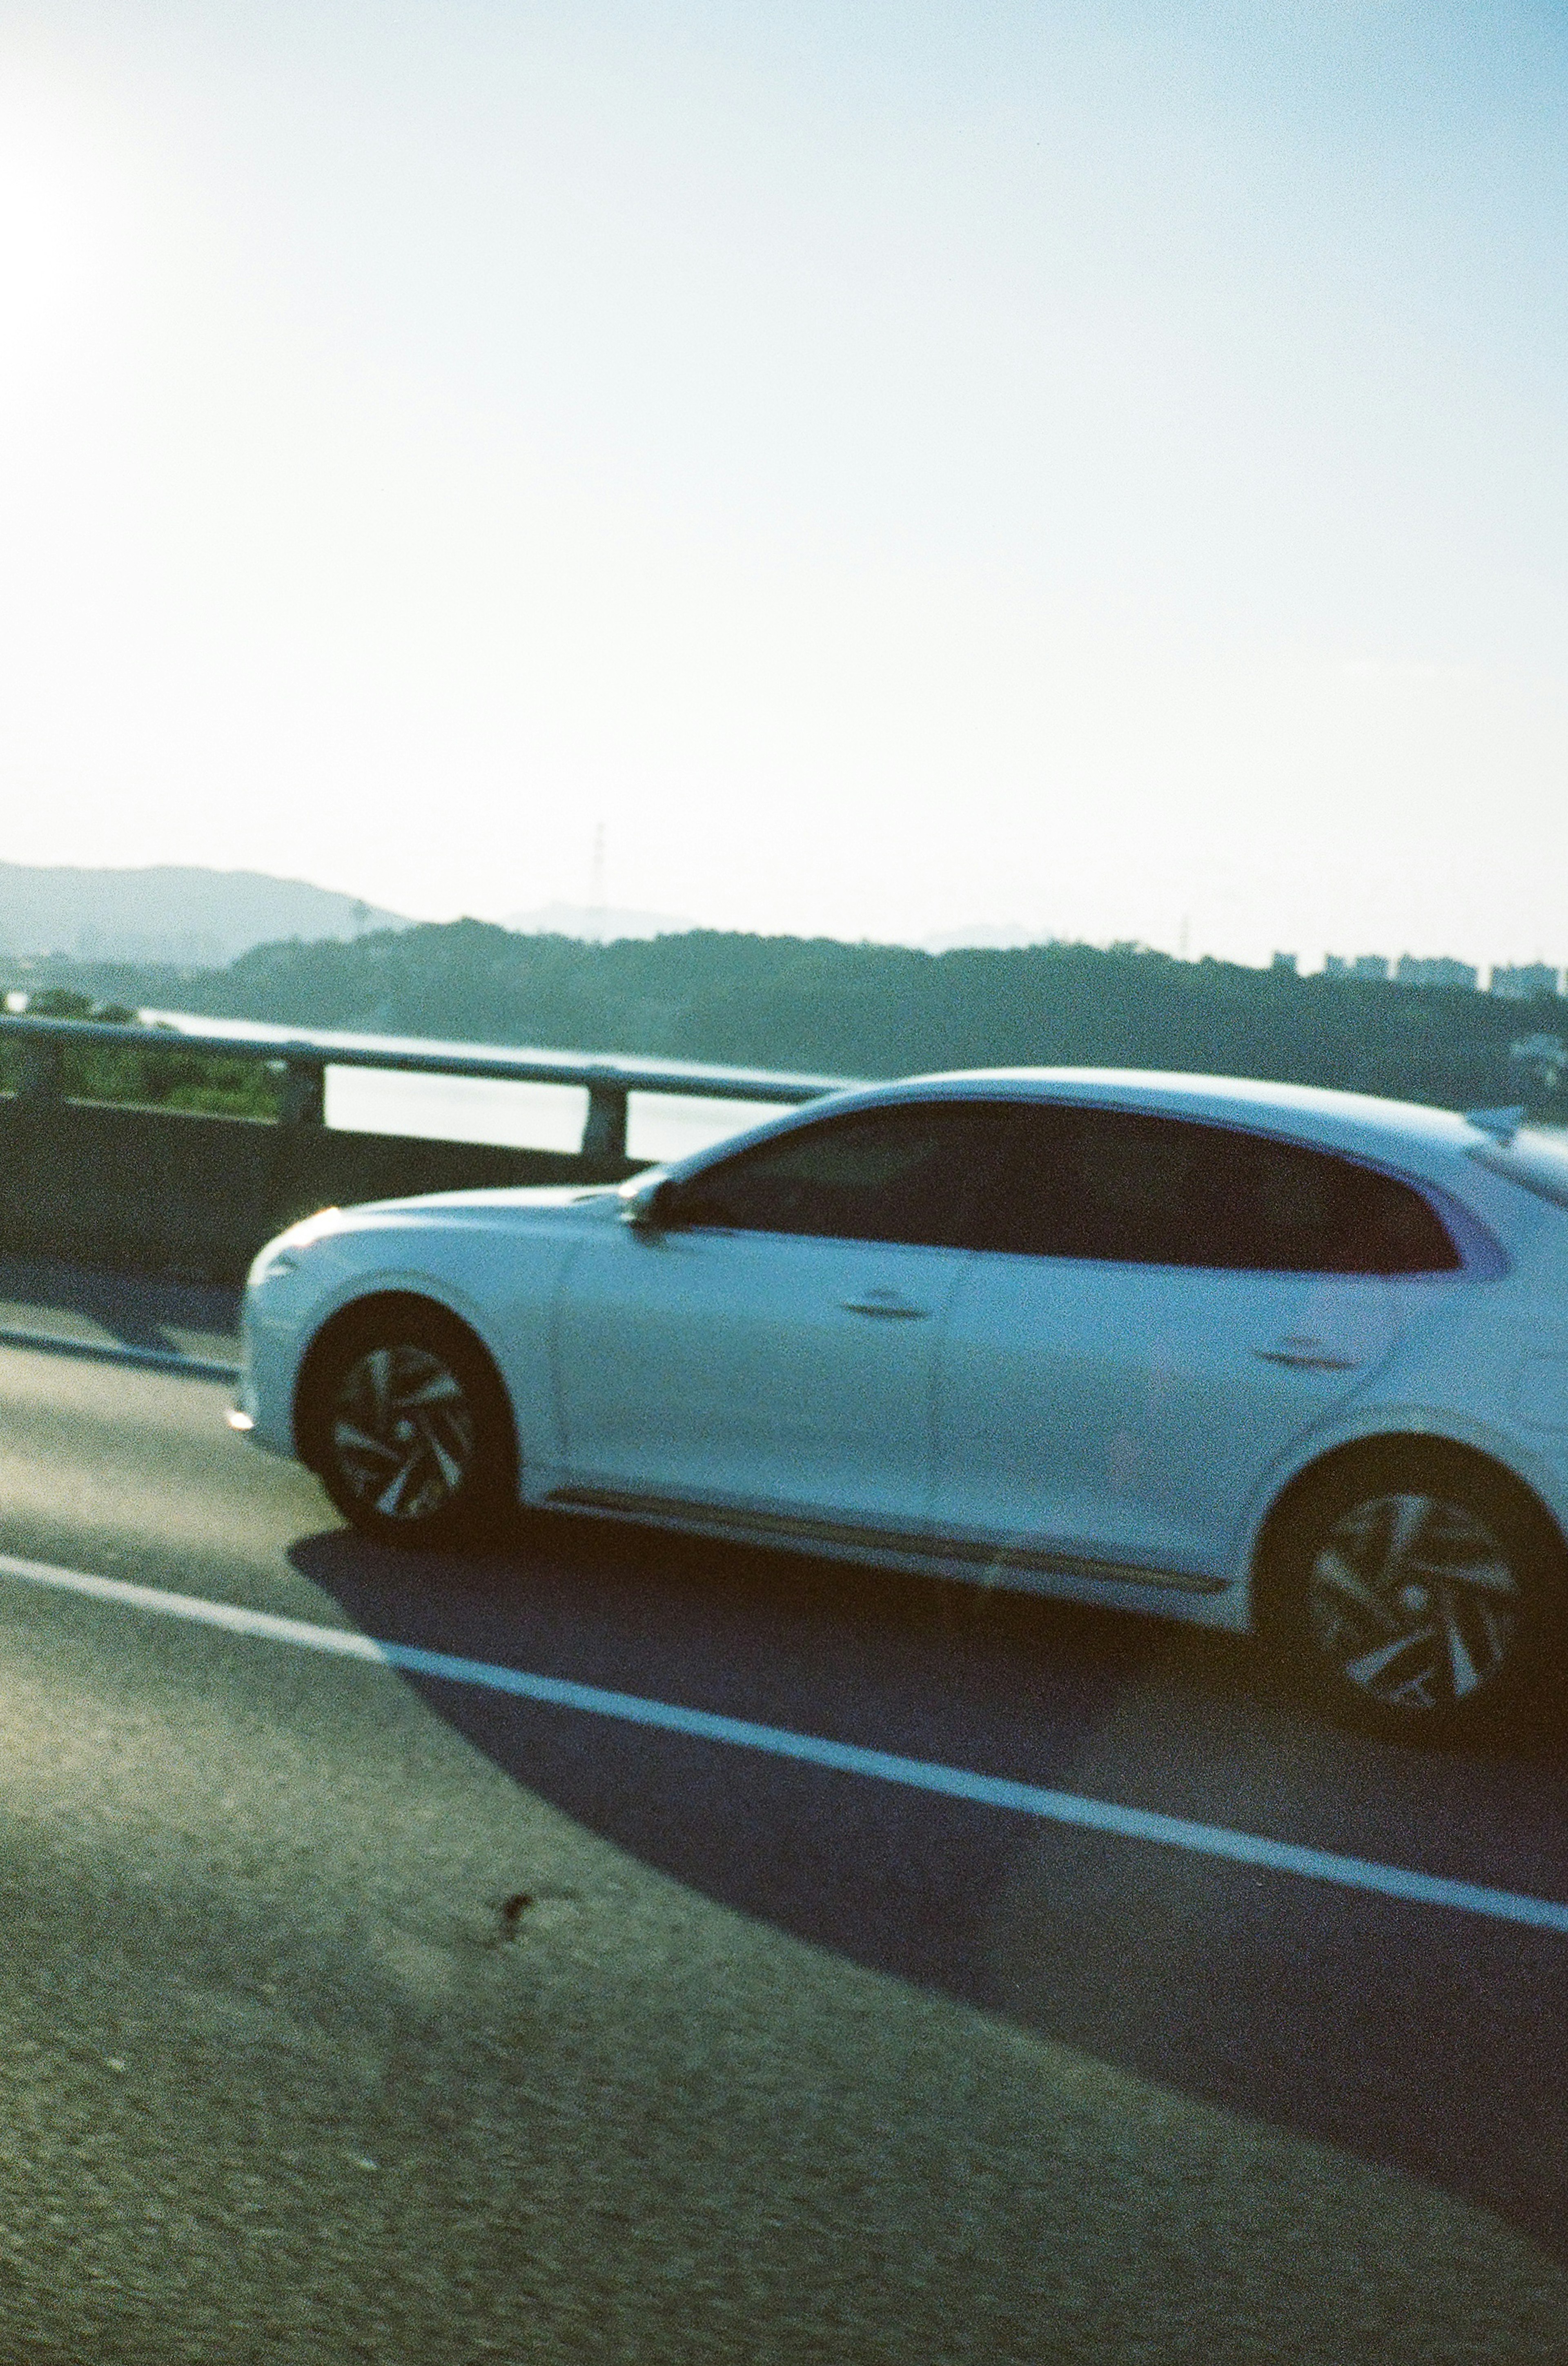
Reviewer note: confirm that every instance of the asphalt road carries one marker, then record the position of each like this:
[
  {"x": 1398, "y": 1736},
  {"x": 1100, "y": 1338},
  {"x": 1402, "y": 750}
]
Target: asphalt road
[{"x": 349, "y": 2016}]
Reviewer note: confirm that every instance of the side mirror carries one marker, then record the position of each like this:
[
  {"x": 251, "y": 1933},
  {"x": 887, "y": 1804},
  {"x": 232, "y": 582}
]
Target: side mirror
[{"x": 652, "y": 1210}]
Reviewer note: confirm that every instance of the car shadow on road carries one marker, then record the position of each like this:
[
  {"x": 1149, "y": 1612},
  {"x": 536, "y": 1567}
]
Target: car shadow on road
[
  {"x": 1412, "y": 2037},
  {"x": 146, "y": 1312}
]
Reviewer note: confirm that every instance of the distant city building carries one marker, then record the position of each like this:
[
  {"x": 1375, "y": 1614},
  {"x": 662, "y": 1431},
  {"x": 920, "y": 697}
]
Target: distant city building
[
  {"x": 1285, "y": 962},
  {"x": 1365, "y": 965},
  {"x": 1408, "y": 971},
  {"x": 1522, "y": 981}
]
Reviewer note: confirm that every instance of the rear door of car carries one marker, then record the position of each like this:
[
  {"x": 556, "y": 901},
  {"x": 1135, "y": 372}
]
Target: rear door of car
[{"x": 1157, "y": 1310}]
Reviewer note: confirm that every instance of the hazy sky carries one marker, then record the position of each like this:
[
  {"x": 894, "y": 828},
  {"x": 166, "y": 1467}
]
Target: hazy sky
[{"x": 1095, "y": 466}]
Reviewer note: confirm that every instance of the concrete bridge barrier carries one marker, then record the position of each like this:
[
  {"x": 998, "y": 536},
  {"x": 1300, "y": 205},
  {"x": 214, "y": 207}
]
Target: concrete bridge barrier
[{"x": 157, "y": 1191}]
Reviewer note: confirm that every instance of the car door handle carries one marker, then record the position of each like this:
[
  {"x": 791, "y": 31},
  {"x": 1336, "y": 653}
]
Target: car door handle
[
  {"x": 888, "y": 1304},
  {"x": 1308, "y": 1356}
]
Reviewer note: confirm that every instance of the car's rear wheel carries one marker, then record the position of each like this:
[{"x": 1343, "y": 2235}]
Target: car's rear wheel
[
  {"x": 409, "y": 1428},
  {"x": 1424, "y": 1595}
]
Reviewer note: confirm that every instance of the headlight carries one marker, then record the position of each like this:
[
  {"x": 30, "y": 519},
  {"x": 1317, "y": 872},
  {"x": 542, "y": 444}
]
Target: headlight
[{"x": 282, "y": 1255}]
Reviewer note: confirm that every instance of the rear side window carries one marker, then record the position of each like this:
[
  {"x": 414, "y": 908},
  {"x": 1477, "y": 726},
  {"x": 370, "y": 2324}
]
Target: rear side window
[{"x": 1124, "y": 1187}]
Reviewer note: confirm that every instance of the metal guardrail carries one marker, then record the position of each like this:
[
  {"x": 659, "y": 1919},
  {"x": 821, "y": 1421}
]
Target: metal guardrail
[{"x": 306, "y": 1055}]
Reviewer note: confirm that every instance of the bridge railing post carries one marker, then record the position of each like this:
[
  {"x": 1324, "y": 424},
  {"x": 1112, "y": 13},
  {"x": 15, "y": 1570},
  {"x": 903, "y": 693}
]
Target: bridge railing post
[
  {"x": 304, "y": 1092},
  {"x": 39, "y": 1070},
  {"x": 604, "y": 1135}
]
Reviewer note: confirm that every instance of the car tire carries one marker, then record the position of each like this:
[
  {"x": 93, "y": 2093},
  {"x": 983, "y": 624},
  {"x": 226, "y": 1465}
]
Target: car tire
[
  {"x": 409, "y": 1430},
  {"x": 1422, "y": 1592}
]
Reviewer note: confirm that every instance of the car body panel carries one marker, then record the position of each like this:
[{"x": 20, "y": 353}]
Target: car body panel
[
  {"x": 720, "y": 1384},
  {"x": 492, "y": 1259},
  {"x": 1129, "y": 1411},
  {"x": 753, "y": 1370}
]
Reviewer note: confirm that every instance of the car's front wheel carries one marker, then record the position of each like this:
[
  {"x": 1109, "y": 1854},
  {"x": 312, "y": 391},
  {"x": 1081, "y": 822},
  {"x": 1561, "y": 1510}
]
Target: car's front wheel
[
  {"x": 409, "y": 1428},
  {"x": 1424, "y": 1594}
]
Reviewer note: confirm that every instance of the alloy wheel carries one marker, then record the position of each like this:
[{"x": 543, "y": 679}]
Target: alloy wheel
[
  {"x": 402, "y": 1434},
  {"x": 1414, "y": 1602}
]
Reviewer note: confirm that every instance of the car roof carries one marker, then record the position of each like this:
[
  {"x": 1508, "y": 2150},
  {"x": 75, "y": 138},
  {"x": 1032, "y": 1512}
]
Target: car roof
[{"x": 1318, "y": 1112}]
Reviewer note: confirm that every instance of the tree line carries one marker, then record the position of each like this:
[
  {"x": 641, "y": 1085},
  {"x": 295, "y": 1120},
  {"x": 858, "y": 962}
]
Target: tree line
[{"x": 862, "y": 1009}]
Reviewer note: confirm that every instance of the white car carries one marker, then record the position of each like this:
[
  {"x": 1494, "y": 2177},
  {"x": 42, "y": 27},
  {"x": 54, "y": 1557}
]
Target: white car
[{"x": 1243, "y": 1354}]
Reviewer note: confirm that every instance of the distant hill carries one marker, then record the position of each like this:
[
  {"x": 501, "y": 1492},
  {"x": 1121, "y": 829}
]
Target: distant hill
[
  {"x": 185, "y": 916},
  {"x": 876, "y": 1009},
  {"x": 986, "y": 936},
  {"x": 594, "y": 924}
]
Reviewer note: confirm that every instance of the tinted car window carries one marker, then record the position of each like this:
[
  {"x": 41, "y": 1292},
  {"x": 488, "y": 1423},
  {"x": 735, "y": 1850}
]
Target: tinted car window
[
  {"x": 901, "y": 1175},
  {"x": 1155, "y": 1190}
]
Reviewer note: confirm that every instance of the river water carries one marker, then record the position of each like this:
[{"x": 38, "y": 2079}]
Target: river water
[{"x": 523, "y": 1116}]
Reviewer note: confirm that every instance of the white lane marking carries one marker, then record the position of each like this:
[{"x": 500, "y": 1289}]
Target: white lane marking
[
  {"x": 842, "y": 1757},
  {"x": 113, "y": 1351}
]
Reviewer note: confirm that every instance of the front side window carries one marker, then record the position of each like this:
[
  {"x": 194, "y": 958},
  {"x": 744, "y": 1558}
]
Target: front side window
[
  {"x": 1126, "y": 1186},
  {"x": 899, "y": 1174}
]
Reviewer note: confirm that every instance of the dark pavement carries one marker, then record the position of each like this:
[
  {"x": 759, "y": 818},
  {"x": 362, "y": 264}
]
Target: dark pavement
[{"x": 775, "y": 2062}]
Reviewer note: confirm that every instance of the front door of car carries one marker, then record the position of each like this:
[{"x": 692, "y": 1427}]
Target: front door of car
[
  {"x": 773, "y": 1348},
  {"x": 1161, "y": 1310}
]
